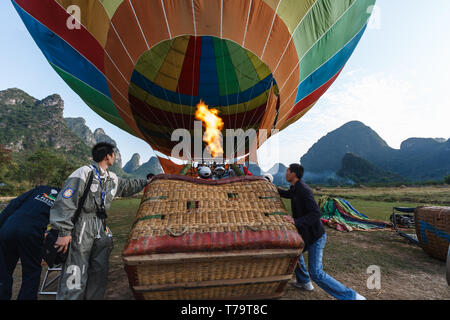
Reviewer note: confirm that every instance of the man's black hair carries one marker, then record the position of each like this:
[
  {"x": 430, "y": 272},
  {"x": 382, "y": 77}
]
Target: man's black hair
[
  {"x": 101, "y": 150},
  {"x": 150, "y": 175},
  {"x": 297, "y": 169}
]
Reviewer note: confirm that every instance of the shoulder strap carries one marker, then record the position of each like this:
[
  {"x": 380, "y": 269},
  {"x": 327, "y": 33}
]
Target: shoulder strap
[{"x": 83, "y": 197}]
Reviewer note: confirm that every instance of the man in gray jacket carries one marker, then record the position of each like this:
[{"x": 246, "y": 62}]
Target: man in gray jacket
[{"x": 88, "y": 239}]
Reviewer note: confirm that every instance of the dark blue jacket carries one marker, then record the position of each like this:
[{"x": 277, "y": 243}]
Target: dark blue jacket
[
  {"x": 305, "y": 211},
  {"x": 28, "y": 214}
]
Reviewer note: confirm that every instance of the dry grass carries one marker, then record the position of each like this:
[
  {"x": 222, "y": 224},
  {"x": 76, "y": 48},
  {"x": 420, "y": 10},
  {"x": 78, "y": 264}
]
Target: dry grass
[{"x": 419, "y": 195}]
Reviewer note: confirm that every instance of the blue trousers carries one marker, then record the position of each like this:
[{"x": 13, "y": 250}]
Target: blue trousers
[
  {"x": 316, "y": 273},
  {"x": 14, "y": 246}
]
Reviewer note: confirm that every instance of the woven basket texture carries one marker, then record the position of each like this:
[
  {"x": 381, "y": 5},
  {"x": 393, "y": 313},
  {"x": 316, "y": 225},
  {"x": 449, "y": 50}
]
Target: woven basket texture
[
  {"x": 243, "y": 291},
  {"x": 173, "y": 206},
  {"x": 243, "y": 268},
  {"x": 174, "y": 211},
  {"x": 433, "y": 230}
]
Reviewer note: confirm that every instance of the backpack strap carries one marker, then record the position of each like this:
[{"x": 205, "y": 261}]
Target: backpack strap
[{"x": 83, "y": 198}]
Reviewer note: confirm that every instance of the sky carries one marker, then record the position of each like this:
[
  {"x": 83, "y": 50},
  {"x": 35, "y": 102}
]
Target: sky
[{"x": 396, "y": 82}]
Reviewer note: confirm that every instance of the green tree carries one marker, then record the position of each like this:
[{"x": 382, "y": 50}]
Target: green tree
[
  {"x": 5, "y": 161},
  {"x": 46, "y": 167},
  {"x": 63, "y": 170},
  {"x": 447, "y": 179},
  {"x": 40, "y": 167}
]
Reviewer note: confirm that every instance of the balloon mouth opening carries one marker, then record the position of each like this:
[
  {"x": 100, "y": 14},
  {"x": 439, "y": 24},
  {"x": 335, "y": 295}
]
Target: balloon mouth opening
[{"x": 174, "y": 76}]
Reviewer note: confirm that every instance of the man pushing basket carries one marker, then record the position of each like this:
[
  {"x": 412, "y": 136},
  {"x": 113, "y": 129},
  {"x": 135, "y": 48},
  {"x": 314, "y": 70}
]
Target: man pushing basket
[{"x": 306, "y": 214}]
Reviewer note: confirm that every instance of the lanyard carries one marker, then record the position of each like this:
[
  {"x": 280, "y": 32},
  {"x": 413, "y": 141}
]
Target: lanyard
[{"x": 101, "y": 186}]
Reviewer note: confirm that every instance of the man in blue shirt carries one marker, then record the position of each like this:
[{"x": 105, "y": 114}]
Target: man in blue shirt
[
  {"x": 22, "y": 226},
  {"x": 306, "y": 214}
]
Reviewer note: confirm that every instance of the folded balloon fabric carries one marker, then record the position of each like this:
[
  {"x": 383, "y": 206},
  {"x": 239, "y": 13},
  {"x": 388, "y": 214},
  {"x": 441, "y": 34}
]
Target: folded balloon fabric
[{"x": 339, "y": 214}]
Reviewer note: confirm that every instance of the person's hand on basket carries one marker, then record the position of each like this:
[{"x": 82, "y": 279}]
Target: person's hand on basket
[
  {"x": 150, "y": 177},
  {"x": 288, "y": 218}
]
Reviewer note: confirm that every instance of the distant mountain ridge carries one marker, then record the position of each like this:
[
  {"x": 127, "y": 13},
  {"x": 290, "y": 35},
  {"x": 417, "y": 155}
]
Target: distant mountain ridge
[
  {"x": 151, "y": 166},
  {"x": 278, "y": 171},
  {"x": 418, "y": 159},
  {"x": 133, "y": 164},
  {"x": 353, "y": 137},
  {"x": 27, "y": 124},
  {"x": 351, "y": 153},
  {"x": 132, "y": 167},
  {"x": 80, "y": 129},
  {"x": 359, "y": 170}
]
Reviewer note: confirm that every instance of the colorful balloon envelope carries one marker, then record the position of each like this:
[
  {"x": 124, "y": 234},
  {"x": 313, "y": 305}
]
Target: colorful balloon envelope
[{"x": 144, "y": 65}]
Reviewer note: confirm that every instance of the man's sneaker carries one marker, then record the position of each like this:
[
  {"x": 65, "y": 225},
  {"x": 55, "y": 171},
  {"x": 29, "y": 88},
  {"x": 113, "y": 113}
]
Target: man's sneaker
[
  {"x": 360, "y": 297},
  {"x": 305, "y": 286}
]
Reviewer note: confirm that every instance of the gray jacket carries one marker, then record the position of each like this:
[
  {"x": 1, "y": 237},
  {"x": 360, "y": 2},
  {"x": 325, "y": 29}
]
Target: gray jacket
[{"x": 67, "y": 200}]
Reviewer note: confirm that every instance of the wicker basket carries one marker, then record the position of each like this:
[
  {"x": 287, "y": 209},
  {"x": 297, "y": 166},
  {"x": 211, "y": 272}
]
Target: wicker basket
[
  {"x": 433, "y": 230},
  {"x": 211, "y": 239}
]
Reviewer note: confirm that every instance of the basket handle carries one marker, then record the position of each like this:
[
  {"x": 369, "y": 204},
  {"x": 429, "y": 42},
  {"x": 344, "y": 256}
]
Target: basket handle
[
  {"x": 254, "y": 228},
  {"x": 185, "y": 229}
]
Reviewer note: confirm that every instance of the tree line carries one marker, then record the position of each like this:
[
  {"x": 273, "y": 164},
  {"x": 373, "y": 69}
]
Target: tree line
[{"x": 22, "y": 171}]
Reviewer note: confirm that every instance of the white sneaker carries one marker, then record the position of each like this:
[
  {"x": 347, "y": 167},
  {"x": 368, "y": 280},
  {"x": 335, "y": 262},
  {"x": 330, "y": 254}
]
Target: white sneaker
[
  {"x": 360, "y": 297},
  {"x": 305, "y": 286}
]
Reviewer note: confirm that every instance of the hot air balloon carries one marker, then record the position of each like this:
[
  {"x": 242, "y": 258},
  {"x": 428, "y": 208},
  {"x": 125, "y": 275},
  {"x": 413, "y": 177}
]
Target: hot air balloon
[{"x": 144, "y": 65}]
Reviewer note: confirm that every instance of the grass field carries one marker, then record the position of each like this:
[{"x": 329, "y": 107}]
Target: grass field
[
  {"x": 377, "y": 203},
  {"x": 417, "y": 195},
  {"x": 407, "y": 272}
]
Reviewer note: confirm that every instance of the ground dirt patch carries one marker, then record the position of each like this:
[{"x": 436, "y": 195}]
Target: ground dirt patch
[{"x": 407, "y": 273}]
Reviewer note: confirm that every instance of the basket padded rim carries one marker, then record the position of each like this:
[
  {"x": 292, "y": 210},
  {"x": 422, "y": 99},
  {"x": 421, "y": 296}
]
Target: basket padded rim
[
  {"x": 215, "y": 241},
  {"x": 207, "y": 181}
]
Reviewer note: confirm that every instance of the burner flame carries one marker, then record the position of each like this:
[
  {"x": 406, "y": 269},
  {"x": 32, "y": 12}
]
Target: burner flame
[{"x": 213, "y": 124}]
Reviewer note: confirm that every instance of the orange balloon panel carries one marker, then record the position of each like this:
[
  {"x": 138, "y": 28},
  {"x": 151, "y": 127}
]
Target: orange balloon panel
[{"x": 144, "y": 65}]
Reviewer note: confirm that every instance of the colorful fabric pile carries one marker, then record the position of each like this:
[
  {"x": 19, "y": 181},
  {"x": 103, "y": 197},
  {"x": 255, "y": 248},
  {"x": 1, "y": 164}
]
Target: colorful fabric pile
[{"x": 339, "y": 214}]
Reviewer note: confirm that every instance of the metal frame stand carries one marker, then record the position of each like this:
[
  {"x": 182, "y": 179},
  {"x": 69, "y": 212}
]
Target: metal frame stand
[
  {"x": 412, "y": 238},
  {"x": 45, "y": 284}
]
